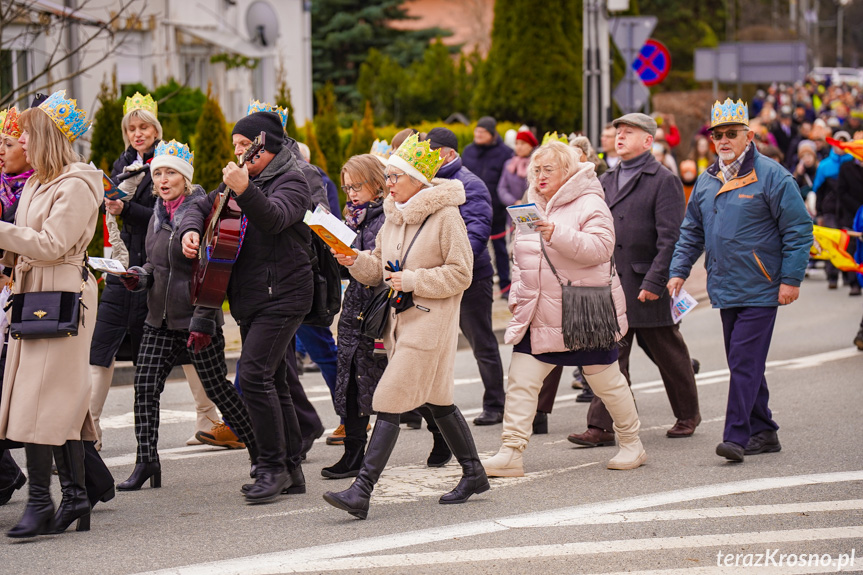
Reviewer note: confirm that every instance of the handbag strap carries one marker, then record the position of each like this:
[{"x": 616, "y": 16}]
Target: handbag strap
[
  {"x": 405, "y": 257},
  {"x": 568, "y": 282},
  {"x": 85, "y": 274}
]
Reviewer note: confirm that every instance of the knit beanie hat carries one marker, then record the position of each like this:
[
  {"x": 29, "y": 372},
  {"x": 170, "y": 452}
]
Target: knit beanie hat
[
  {"x": 488, "y": 124},
  {"x": 526, "y": 136},
  {"x": 269, "y": 123}
]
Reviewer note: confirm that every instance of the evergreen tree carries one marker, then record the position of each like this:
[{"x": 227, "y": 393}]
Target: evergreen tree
[
  {"x": 327, "y": 131},
  {"x": 180, "y": 107},
  {"x": 380, "y": 81},
  {"x": 362, "y": 134},
  {"x": 430, "y": 94},
  {"x": 533, "y": 71},
  {"x": 343, "y": 32},
  {"x": 316, "y": 156},
  {"x": 107, "y": 143},
  {"x": 354, "y": 147},
  {"x": 283, "y": 99},
  {"x": 213, "y": 148}
]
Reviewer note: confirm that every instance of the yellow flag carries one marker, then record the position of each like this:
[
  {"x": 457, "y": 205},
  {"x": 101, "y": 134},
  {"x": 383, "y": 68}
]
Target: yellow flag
[{"x": 831, "y": 244}]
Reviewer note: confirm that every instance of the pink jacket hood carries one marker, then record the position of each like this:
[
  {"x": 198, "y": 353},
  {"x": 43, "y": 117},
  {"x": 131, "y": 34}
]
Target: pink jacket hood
[{"x": 581, "y": 247}]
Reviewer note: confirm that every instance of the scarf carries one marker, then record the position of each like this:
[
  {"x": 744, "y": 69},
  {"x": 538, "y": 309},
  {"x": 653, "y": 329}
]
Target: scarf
[
  {"x": 355, "y": 214},
  {"x": 172, "y": 206},
  {"x": 518, "y": 166},
  {"x": 11, "y": 186}
]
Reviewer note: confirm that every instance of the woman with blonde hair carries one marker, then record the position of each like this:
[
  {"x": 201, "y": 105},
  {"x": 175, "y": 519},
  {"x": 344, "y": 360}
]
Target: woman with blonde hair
[
  {"x": 575, "y": 244},
  {"x": 47, "y": 409},
  {"x": 360, "y": 364}
]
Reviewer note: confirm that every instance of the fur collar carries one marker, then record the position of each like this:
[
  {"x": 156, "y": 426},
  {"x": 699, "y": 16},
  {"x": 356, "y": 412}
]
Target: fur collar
[
  {"x": 583, "y": 181},
  {"x": 442, "y": 193},
  {"x": 161, "y": 214}
]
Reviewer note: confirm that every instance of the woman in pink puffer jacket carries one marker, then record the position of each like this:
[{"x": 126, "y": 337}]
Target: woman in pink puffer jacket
[{"x": 578, "y": 233}]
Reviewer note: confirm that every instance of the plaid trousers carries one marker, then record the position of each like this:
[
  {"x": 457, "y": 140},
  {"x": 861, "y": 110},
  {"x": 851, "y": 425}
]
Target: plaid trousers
[{"x": 160, "y": 349}]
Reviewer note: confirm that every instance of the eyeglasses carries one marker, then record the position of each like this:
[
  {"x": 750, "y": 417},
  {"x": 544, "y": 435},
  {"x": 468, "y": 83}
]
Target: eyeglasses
[
  {"x": 353, "y": 187},
  {"x": 540, "y": 170},
  {"x": 730, "y": 134},
  {"x": 393, "y": 177}
]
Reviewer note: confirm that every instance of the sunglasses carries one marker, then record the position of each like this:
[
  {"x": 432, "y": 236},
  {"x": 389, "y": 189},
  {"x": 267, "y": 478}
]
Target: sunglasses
[{"x": 730, "y": 134}]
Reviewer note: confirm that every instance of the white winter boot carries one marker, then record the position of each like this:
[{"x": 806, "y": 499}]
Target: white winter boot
[
  {"x": 611, "y": 387},
  {"x": 507, "y": 463}
]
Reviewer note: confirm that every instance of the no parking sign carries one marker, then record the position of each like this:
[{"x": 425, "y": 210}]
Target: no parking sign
[{"x": 652, "y": 63}]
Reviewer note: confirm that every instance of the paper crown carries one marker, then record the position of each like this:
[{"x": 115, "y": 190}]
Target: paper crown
[
  {"x": 176, "y": 149},
  {"x": 553, "y": 137},
  {"x": 729, "y": 112},
  {"x": 417, "y": 158},
  {"x": 139, "y": 102},
  {"x": 66, "y": 115},
  {"x": 9, "y": 123},
  {"x": 381, "y": 150},
  {"x": 256, "y": 106}
]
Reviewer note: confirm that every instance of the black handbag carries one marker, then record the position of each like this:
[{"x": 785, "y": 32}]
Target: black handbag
[
  {"x": 47, "y": 314},
  {"x": 589, "y": 316}
]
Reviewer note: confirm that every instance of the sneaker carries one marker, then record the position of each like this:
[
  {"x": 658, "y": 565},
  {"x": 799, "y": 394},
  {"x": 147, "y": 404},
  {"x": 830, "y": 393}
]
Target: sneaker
[
  {"x": 221, "y": 436},
  {"x": 337, "y": 437}
]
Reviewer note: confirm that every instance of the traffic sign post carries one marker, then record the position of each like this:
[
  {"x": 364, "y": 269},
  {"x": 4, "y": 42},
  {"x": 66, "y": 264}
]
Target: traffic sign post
[
  {"x": 629, "y": 35},
  {"x": 653, "y": 62}
]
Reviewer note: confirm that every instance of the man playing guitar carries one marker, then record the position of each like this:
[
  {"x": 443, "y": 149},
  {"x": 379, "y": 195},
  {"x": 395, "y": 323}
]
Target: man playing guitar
[{"x": 270, "y": 292}]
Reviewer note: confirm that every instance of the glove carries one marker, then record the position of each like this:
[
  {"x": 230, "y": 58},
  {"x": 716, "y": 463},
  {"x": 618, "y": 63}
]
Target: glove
[
  {"x": 130, "y": 186},
  {"x": 198, "y": 341},
  {"x": 133, "y": 280}
]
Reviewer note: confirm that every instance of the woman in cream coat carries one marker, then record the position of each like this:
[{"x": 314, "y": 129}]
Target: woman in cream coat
[
  {"x": 578, "y": 234},
  {"x": 421, "y": 341},
  {"x": 46, "y": 387}
]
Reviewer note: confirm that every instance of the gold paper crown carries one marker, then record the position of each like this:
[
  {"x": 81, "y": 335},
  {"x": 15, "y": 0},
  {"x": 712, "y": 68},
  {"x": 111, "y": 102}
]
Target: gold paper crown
[
  {"x": 139, "y": 102},
  {"x": 66, "y": 115},
  {"x": 256, "y": 106},
  {"x": 553, "y": 137},
  {"x": 9, "y": 123},
  {"x": 420, "y": 156},
  {"x": 729, "y": 112}
]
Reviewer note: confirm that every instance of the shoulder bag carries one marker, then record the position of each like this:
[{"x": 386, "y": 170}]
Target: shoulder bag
[{"x": 47, "y": 314}]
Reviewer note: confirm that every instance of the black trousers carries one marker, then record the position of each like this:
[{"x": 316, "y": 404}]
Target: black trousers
[
  {"x": 160, "y": 351},
  {"x": 355, "y": 424},
  {"x": 666, "y": 348},
  {"x": 475, "y": 323},
  {"x": 263, "y": 380},
  {"x": 306, "y": 414},
  {"x": 500, "y": 223}
]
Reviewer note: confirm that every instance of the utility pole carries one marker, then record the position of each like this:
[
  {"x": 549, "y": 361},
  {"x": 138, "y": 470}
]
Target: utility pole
[{"x": 596, "y": 84}]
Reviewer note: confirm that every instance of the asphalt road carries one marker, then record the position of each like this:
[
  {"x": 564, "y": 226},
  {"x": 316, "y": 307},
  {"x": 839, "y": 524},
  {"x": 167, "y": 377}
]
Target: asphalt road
[{"x": 686, "y": 511}]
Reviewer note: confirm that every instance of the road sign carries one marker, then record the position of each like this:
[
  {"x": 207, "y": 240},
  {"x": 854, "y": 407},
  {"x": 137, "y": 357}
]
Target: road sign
[
  {"x": 629, "y": 34},
  {"x": 652, "y": 63}
]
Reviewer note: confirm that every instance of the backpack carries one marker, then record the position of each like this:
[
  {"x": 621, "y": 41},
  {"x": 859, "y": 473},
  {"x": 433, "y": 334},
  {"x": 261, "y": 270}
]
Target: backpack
[{"x": 327, "y": 297}]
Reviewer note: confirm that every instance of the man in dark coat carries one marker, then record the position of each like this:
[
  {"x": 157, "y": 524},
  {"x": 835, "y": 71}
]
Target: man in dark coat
[
  {"x": 270, "y": 292},
  {"x": 647, "y": 204},
  {"x": 476, "y": 304},
  {"x": 485, "y": 157},
  {"x": 849, "y": 198}
]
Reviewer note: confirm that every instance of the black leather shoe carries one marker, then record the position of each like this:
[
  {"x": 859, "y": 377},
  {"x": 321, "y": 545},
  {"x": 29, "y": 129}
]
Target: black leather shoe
[
  {"x": 730, "y": 451},
  {"x": 488, "y": 418},
  {"x": 143, "y": 471},
  {"x": 540, "y": 423},
  {"x": 763, "y": 442},
  {"x": 6, "y": 492},
  {"x": 267, "y": 486}
]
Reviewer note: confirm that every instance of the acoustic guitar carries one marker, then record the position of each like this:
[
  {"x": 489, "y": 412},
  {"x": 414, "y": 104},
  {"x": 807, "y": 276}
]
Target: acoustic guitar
[{"x": 221, "y": 242}]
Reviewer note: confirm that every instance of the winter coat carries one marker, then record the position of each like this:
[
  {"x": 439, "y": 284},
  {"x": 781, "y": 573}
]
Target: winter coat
[
  {"x": 476, "y": 212},
  {"x": 46, "y": 387},
  {"x": 647, "y": 215},
  {"x": 272, "y": 272},
  {"x": 580, "y": 249},
  {"x": 421, "y": 341},
  {"x": 354, "y": 348},
  {"x": 826, "y": 181},
  {"x": 487, "y": 163},
  {"x": 512, "y": 186},
  {"x": 754, "y": 228},
  {"x": 849, "y": 192},
  {"x": 169, "y": 283},
  {"x": 117, "y": 305}
]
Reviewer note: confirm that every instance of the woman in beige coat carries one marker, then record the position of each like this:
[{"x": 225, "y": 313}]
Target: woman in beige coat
[
  {"x": 46, "y": 387},
  {"x": 421, "y": 340}
]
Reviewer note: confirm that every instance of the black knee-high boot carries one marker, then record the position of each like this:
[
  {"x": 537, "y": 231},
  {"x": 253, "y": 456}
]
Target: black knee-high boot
[
  {"x": 75, "y": 504},
  {"x": 355, "y": 499},
  {"x": 457, "y": 434},
  {"x": 38, "y": 516}
]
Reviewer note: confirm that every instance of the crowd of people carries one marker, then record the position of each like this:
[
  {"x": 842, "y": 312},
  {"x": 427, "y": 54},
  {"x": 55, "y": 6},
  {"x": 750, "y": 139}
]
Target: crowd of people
[{"x": 618, "y": 232}]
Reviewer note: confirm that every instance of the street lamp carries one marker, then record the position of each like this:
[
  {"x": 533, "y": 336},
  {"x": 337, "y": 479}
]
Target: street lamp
[{"x": 840, "y": 22}]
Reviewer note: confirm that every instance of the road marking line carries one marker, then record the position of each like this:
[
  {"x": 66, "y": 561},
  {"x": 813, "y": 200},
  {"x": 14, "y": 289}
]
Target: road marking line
[{"x": 280, "y": 560}]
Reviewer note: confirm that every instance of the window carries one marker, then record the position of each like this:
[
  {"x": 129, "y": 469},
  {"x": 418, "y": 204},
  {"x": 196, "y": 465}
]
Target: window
[{"x": 14, "y": 70}]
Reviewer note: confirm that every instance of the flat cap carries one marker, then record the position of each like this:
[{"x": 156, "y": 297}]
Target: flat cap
[
  {"x": 638, "y": 120},
  {"x": 442, "y": 138}
]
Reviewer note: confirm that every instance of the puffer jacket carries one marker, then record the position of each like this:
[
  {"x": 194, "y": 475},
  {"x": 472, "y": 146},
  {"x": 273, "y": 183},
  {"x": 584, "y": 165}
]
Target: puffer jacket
[
  {"x": 755, "y": 230},
  {"x": 169, "y": 280},
  {"x": 355, "y": 348},
  {"x": 581, "y": 247}
]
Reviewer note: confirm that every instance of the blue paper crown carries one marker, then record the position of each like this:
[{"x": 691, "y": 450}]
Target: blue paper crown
[
  {"x": 256, "y": 106},
  {"x": 66, "y": 115},
  {"x": 175, "y": 148},
  {"x": 729, "y": 112},
  {"x": 381, "y": 149}
]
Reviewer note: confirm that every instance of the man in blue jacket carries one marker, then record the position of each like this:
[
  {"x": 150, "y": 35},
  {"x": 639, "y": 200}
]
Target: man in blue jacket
[
  {"x": 476, "y": 304},
  {"x": 746, "y": 212}
]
